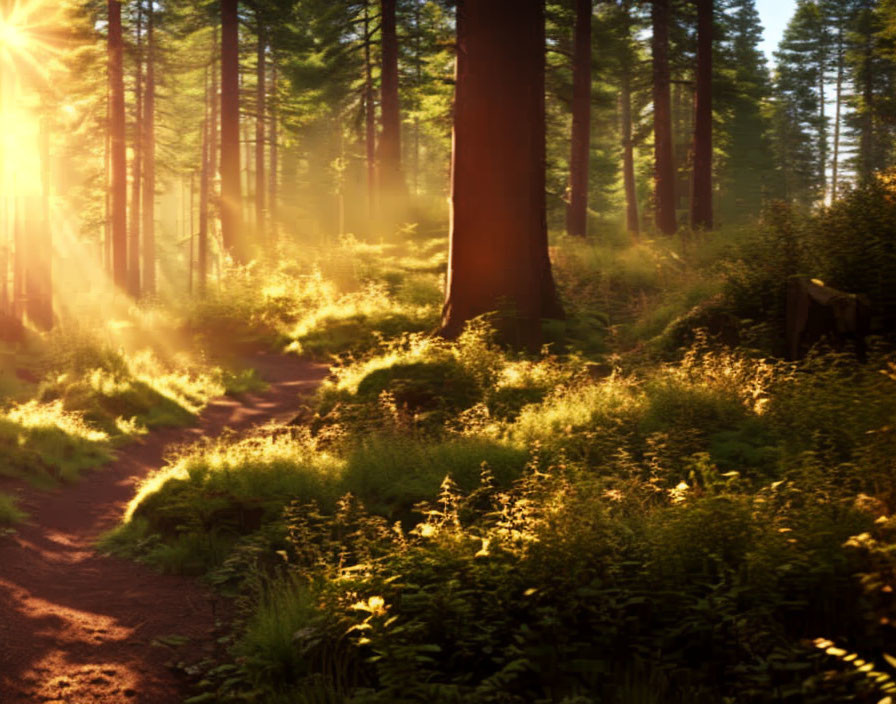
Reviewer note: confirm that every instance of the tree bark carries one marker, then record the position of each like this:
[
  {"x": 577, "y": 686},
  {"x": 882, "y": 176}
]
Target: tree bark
[
  {"x": 136, "y": 165},
  {"x": 214, "y": 195},
  {"x": 390, "y": 138},
  {"x": 701, "y": 193},
  {"x": 499, "y": 251},
  {"x": 370, "y": 116},
  {"x": 273, "y": 218},
  {"x": 260, "y": 118},
  {"x": 231, "y": 190},
  {"x": 39, "y": 281},
  {"x": 628, "y": 157},
  {"x": 107, "y": 171},
  {"x": 118, "y": 156},
  {"x": 202, "y": 254},
  {"x": 664, "y": 165},
  {"x": 149, "y": 160},
  {"x": 577, "y": 209}
]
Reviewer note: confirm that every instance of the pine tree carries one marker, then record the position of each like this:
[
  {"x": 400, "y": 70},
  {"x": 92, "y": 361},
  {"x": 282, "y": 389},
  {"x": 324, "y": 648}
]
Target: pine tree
[
  {"x": 799, "y": 123},
  {"x": 664, "y": 166}
]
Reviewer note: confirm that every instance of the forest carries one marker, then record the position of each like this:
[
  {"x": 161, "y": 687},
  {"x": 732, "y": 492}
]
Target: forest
[{"x": 447, "y": 351}]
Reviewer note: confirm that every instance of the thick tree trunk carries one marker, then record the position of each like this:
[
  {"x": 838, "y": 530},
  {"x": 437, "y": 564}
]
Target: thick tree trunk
[
  {"x": 118, "y": 156},
  {"x": 664, "y": 165},
  {"x": 231, "y": 191},
  {"x": 577, "y": 209},
  {"x": 149, "y": 160},
  {"x": 390, "y": 138},
  {"x": 260, "y": 119},
  {"x": 628, "y": 157},
  {"x": 839, "y": 99},
  {"x": 136, "y": 165},
  {"x": 499, "y": 254},
  {"x": 369, "y": 116},
  {"x": 701, "y": 193}
]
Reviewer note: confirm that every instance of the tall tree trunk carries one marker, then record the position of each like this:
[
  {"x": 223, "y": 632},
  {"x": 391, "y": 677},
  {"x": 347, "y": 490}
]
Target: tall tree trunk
[
  {"x": 273, "y": 217},
  {"x": 498, "y": 252},
  {"x": 822, "y": 134},
  {"x": 628, "y": 156},
  {"x": 577, "y": 210},
  {"x": 390, "y": 138},
  {"x": 149, "y": 159},
  {"x": 202, "y": 263},
  {"x": 370, "y": 116},
  {"x": 137, "y": 165},
  {"x": 214, "y": 195},
  {"x": 664, "y": 165},
  {"x": 39, "y": 284},
  {"x": 260, "y": 118},
  {"x": 191, "y": 228},
  {"x": 231, "y": 191},
  {"x": 418, "y": 76},
  {"x": 839, "y": 98},
  {"x": 19, "y": 264},
  {"x": 119, "y": 183},
  {"x": 701, "y": 193},
  {"x": 107, "y": 222}
]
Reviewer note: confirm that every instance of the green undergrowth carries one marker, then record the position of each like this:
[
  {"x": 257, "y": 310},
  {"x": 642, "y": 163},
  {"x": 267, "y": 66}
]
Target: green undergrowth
[
  {"x": 80, "y": 393},
  {"x": 456, "y": 523},
  {"x": 341, "y": 299},
  {"x": 656, "y": 509},
  {"x": 10, "y": 513}
]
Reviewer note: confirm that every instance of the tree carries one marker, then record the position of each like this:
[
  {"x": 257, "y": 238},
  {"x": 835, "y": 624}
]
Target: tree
[
  {"x": 498, "y": 250},
  {"x": 260, "y": 120},
  {"x": 701, "y": 193},
  {"x": 391, "y": 180},
  {"x": 137, "y": 163},
  {"x": 799, "y": 125},
  {"x": 149, "y": 157},
  {"x": 741, "y": 94},
  {"x": 369, "y": 115},
  {"x": 577, "y": 209},
  {"x": 117, "y": 147},
  {"x": 626, "y": 72},
  {"x": 231, "y": 191},
  {"x": 664, "y": 165}
]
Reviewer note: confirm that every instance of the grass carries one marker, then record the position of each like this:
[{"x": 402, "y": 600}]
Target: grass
[
  {"x": 10, "y": 513},
  {"x": 69, "y": 397}
]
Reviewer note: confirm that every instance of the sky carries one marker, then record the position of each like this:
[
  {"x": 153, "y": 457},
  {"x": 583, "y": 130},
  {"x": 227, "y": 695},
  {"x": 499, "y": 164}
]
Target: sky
[{"x": 774, "y": 14}]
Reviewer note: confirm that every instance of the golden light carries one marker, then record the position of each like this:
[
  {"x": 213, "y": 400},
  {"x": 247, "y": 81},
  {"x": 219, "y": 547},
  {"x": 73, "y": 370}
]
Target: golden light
[{"x": 11, "y": 36}]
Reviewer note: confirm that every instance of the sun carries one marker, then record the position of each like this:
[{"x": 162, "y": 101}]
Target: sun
[
  {"x": 11, "y": 35},
  {"x": 29, "y": 35}
]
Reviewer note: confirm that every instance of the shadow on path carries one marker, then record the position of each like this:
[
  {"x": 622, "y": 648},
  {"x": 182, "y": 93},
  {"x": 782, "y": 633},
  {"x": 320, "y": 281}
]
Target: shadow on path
[{"x": 78, "y": 627}]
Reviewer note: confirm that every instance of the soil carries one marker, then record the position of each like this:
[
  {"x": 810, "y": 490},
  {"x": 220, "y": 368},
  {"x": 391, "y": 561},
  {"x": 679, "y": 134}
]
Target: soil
[{"x": 83, "y": 628}]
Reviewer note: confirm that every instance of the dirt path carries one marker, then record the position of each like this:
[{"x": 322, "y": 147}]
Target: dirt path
[{"x": 78, "y": 627}]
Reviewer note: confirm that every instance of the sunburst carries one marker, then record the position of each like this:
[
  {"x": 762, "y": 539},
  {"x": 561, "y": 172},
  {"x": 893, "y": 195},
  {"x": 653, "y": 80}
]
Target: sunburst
[{"x": 31, "y": 37}]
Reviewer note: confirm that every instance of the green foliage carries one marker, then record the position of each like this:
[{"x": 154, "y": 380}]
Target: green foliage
[{"x": 10, "y": 513}]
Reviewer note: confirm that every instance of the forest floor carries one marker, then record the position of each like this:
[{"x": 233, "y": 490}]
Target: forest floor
[{"x": 82, "y": 628}]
